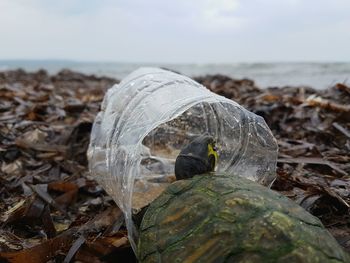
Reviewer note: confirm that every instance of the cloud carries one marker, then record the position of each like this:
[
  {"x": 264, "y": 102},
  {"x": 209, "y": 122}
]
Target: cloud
[
  {"x": 176, "y": 31},
  {"x": 218, "y": 15}
]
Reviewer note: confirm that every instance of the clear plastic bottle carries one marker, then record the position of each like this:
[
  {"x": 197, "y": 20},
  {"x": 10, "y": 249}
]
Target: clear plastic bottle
[{"x": 145, "y": 121}]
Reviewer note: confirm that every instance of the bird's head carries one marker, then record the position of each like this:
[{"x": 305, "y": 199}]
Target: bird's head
[{"x": 198, "y": 157}]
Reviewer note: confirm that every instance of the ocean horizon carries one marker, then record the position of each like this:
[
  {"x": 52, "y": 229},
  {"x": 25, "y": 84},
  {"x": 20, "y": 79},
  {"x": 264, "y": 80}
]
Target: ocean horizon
[{"x": 318, "y": 75}]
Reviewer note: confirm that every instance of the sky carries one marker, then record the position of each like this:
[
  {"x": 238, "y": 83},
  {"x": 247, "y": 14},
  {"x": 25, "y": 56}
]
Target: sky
[{"x": 180, "y": 31}]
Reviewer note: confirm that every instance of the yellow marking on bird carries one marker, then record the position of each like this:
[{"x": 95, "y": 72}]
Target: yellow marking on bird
[{"x": 211, "y": 151}]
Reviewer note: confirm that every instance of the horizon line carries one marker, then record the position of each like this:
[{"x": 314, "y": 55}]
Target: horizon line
[{"x": 53, "y": 60}]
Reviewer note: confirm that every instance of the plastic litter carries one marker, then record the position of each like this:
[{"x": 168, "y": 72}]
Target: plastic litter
[{"x": 146, "y": 120}]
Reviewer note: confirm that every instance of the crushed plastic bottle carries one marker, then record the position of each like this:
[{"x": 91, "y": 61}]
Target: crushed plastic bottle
[{"x": 147, "y": 119}]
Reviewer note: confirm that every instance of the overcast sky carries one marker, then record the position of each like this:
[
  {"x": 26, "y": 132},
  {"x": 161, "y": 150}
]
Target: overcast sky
[{"x": 177, "y": 31}]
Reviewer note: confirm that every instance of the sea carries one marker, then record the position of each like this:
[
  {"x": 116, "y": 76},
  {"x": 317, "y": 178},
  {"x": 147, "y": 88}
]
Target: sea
[{"x": 317, "y": 75}]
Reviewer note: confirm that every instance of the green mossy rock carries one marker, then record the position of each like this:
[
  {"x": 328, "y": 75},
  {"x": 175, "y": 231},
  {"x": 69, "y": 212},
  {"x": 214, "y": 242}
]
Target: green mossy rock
[{"x": 219, "y": 218}]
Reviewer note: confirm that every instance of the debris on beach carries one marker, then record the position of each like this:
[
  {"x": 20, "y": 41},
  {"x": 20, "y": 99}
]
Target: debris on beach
[{"x": 52, "y": 209}]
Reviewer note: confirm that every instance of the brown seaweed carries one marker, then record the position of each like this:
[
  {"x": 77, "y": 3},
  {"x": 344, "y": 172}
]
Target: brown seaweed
[{"x": 52, "y": 209}]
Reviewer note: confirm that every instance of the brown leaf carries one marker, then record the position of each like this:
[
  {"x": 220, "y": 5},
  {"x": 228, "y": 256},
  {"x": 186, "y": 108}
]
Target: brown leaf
[
  {"x": 43, "y": 252},
  {"x": 74, "y": 248},
  {"x": 311, "y": 160},
  {"x": 41, "y": 191},
  {"x": 62, "y": 186}
]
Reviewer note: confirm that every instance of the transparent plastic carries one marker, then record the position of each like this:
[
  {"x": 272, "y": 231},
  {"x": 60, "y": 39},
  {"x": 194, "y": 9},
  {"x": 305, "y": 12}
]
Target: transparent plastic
[{"x": 150, "y": 116}]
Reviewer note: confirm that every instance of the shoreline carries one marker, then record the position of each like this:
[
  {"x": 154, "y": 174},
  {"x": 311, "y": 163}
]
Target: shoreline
[{"x": 319, "y": 75}]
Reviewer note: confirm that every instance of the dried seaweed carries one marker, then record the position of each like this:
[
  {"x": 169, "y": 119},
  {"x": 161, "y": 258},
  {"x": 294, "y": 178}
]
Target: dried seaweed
[
  {"x": 48, "y": 201},
  {"x": 51, "y": 209}
]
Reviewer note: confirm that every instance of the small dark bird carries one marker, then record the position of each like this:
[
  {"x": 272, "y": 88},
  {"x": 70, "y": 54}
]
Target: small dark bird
[{"x": 198, "y": 157}]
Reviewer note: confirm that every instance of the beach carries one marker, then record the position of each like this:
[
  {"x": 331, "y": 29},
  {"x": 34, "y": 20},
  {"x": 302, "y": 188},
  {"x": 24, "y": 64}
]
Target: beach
[{"x": 47, "y": 194}]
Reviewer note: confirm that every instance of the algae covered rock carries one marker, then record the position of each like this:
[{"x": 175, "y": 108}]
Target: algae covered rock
[{"x": 221, "y": 218}]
